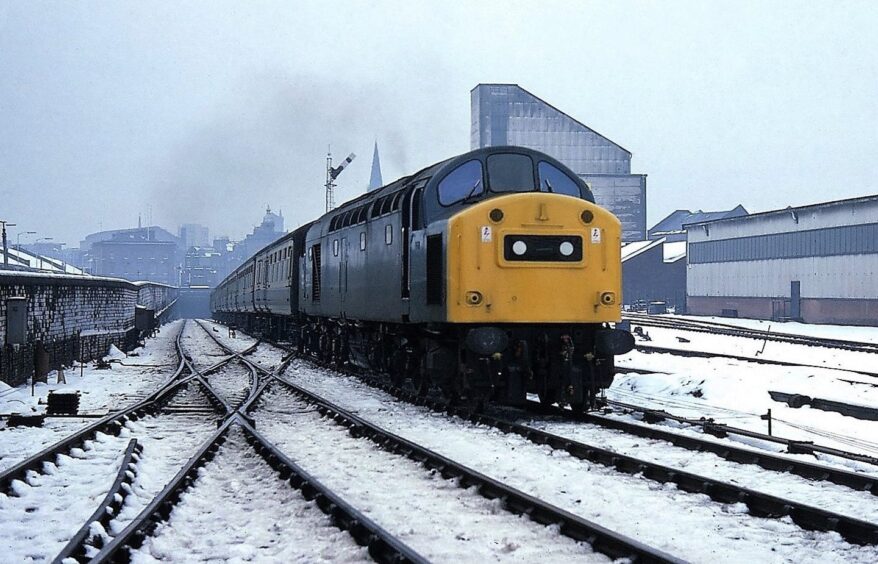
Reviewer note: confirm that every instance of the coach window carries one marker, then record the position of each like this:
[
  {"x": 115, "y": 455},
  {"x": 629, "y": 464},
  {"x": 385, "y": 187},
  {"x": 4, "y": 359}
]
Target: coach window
[
  {"x": 508, "y": 172},
  {"x": 461, "y": 183},
  {"x": 553, "y": 180},
  {"x": 335, "y": 247},
  {"x": 388, "y": 233},
  {"x": 363, "y": 241}
]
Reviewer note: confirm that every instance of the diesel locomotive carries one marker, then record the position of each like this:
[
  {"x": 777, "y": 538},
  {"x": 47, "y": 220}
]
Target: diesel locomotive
[{"x": 489, "y": 275}]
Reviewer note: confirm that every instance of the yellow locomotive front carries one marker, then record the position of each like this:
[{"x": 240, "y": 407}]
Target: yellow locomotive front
[
  {"x": 534, "y": 258},
  {"x": 532, "y": 280}
]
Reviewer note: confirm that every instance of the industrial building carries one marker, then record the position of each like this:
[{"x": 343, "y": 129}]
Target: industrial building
[
  {"x": 817, "y": 264},
  {"x": 507, "y": 114},
  {"x": 142, "y": 254},
  {"x": 654, "y": 272},
  {"x": 672, "y": 228}
]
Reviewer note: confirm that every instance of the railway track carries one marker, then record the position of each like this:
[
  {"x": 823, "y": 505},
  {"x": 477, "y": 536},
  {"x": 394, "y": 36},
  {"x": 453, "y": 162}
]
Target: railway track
[
  {"x": 153, "y": 531},
  {"x": 723, "y": 430},
  {"x": 731, "y": 330},
  {"x": 54, "y": 485},
  {"x": 145, "y": 532},
  {"x": 757, "y": 503},
  {"x": 504, "y": 497}
]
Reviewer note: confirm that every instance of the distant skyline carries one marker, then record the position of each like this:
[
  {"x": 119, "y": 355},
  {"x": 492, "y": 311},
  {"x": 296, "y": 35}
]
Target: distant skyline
[{"x": 204, "y": 112}]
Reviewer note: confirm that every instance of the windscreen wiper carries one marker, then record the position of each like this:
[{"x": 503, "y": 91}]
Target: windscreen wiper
[{"x": 472, "y": 192}]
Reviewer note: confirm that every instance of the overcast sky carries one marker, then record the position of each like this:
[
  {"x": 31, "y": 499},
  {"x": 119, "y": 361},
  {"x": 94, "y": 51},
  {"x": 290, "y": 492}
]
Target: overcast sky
[{"x": 207, "y": 111}]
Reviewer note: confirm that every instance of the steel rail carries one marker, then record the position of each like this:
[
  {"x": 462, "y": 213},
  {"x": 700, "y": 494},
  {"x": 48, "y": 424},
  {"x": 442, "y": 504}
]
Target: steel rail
[
  {"x": 133, "y": 535},
  {"x": 253, "y": 367},
  {"x": 854, "y": 480},
  {"x": 722, "y": 430},
  {"x": 731, "y": 330},
  {"x": 603, "y": 540},
  {"x": 382, "y": 546},
  {"x": 76, "y": 548},
  {"x": 650, "y": 349},
  {"x": 759, "y": 504},
  {"x": 112, "y": 423}
]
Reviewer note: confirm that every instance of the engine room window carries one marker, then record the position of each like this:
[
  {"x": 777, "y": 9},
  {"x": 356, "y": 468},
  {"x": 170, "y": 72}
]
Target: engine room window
[
  {"x": 508, "y": 172},
  {"x": 363, "y": 241},
  {"x": 553, "y": 180},
  {"x": 335, "y": 247},
  {"x": 462, "y": 182},
  {"x": 388, "y": 233}
]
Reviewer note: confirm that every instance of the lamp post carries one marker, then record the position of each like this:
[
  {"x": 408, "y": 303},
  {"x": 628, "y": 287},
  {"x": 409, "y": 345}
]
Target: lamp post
[
  {"x": 40, "y": 254},
  {"x": 18, "y": 238},
  {"x": 5, "y": 247}
]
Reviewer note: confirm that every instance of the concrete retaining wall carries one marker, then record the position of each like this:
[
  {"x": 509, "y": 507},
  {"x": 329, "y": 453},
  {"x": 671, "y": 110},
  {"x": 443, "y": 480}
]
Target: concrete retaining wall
[{"x": 73, "y": 317}]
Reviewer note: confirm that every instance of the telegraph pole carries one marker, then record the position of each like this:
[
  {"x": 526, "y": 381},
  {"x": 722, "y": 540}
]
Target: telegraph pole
[
  {"x": 331, "y": 175},
  {"x": 5, "y": 246}
]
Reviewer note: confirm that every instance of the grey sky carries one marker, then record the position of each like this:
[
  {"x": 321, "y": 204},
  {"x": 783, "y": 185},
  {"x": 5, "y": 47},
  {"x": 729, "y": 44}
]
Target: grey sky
[{"x": 208, "y": 111}]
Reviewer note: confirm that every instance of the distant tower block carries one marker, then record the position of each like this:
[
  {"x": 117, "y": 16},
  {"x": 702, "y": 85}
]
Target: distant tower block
[{"x": 375, "y": 180}]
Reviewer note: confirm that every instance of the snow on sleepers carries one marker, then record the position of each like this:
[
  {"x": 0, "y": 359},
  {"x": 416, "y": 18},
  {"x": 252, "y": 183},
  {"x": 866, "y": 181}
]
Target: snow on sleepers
[
  {"x": 385, "y": 548},
  {"x": 573, "y": 526},
  {"x": 264, "y": 355},
  {"x": 738, "y": 331},
  {"x": 722, "y": 430},
  {"x": 726, "y": 532},
  {"x": 133, "y": 535},
  {"x": 758, "y": 503},
  {"x": 855, "y": 480},
  {"x": 76, "y": 547},
  {"x": 204, "y": 352}
]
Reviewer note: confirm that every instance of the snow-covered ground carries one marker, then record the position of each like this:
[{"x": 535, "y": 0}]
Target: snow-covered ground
[
  {"x": 128, "y": 380},
  {"x": 818, "y": 493},
  {"x": 231, "y": 382},
  {"x": 200, "y": 347},
  {"x": 841, "y": 332},
  {"x": 687, "y": 525},
  {"x": 736, "y": 392},
  {"x": 266, "y": 355},
  {"x": 817, "y": 356},
  {"x": 429, "y": 513},
  {"x": 240, "y": 510},
  {"x": 48, "y": 509}
]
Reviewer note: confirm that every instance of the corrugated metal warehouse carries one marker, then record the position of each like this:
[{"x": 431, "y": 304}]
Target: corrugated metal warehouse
[
  {"x": 654, "y": 271},
  {"x": 817, "y": 264},
  {"x": 507, "y": 114}
]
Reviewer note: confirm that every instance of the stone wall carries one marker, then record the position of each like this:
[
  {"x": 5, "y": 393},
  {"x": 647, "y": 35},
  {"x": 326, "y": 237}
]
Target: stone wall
[{"x": 73, "y": 317}]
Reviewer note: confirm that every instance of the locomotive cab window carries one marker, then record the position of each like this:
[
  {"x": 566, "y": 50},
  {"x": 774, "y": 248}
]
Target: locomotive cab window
[
  {"x": 552, "y": 179},
  {"x": 508, "y": 172},
  {"x": 461, "y": 183}
]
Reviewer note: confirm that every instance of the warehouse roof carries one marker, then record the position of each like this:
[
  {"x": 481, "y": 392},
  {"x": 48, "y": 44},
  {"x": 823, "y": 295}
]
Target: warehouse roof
[{"x": 805, "y": 208}]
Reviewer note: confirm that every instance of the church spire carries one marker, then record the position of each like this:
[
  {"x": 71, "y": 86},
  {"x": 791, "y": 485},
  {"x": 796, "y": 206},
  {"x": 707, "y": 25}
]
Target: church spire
[{"x": 375, "y": 180}]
